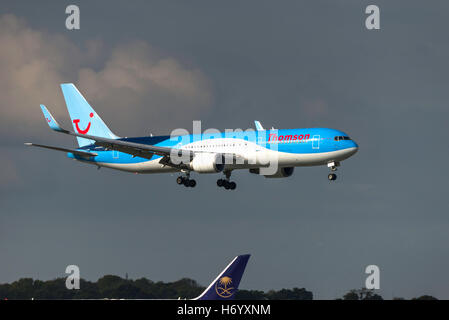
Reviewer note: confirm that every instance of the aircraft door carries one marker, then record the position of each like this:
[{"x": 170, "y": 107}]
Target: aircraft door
[{"x": 316, "y": 141}]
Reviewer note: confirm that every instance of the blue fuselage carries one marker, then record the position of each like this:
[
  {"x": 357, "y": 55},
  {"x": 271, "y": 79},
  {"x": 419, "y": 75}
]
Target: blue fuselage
[{"x": 314, "y": 143}]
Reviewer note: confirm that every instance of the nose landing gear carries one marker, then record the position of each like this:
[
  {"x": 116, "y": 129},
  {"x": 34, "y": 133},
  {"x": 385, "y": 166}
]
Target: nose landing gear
[{"x": 333, "y": 166}]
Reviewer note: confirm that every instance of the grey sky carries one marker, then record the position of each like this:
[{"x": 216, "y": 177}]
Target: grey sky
[{"x": 288, "y": 64}]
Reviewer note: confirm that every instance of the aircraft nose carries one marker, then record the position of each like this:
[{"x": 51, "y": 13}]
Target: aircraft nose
[{"x": 354, "y": 147}]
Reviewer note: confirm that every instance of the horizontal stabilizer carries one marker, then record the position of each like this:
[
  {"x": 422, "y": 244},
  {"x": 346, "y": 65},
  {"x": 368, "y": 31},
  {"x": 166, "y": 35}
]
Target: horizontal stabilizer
[{"x": 75, "y": 152}]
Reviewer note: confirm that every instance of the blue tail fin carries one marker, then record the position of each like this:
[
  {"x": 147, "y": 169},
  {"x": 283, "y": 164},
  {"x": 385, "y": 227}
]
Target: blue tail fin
[
  {"x": 226, "y": 284},
  {"x": 85, "y": 120}
]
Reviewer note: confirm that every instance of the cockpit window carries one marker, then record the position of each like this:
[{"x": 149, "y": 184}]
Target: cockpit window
[{"x": 338, "y": 138}]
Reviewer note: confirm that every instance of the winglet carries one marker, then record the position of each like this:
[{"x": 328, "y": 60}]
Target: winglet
[
  {"x": 50, "y": 120},
  {"x": 226, "y": 284},
  {"x": 258, "y": 125}
]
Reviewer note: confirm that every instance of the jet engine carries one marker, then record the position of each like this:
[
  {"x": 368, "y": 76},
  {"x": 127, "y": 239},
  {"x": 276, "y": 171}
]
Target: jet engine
[
  {"x": 281, "y": 172},
  {"x": 207, "y": 163}
]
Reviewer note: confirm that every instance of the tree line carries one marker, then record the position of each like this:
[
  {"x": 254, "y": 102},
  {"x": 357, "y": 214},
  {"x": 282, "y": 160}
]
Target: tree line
[{"x": 115, "y": 287}]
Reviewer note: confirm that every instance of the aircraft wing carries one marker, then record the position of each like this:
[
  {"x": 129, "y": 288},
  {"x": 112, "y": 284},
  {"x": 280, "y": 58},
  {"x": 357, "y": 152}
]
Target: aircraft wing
[
  {"x": 147, "y": 151},
  {"x": 135, "y": 149},
  {"x": 132, "y": 148}
]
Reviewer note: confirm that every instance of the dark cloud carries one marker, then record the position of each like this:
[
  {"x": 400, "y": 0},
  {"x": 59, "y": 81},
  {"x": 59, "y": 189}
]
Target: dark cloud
[{"x": 135, "y": 79}]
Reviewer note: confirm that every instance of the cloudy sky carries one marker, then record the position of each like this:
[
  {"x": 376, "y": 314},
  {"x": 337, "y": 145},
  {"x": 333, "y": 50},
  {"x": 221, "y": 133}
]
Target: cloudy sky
[{"x": 157, "y": 65}]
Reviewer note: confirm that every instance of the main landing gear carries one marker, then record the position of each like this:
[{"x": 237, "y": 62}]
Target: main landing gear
[
  {"x": 228, "y": 185},
  {"x": 186, "y": 181},
  {"x": 333, "y": 166},
  {"x": 225, "y": 183}
]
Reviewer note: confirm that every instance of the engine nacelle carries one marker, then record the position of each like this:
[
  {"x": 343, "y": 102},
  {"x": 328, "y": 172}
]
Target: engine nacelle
[
  {"x": 282, "y": 172},
  {"x": 207, "y": 163}
]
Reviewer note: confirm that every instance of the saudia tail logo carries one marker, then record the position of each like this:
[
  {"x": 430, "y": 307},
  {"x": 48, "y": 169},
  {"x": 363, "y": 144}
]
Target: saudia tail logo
[
  {"x": 223, "y": 287},
  {"x": 81, "y": 131}
]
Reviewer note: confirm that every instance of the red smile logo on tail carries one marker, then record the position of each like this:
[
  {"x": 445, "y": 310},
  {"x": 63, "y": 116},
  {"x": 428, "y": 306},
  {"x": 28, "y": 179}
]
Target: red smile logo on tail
[{"x": 76, "y": 122}]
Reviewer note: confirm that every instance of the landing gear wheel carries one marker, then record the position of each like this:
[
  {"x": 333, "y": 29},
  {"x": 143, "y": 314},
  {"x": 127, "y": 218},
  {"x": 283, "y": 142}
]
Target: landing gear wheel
[
  {"x": 220, "y": 182},
  {"x": 232, "y": 185},
  {"x": 186, "y": 182},
  {"x": 226, "y": 185},
  {"x": 179, "y": 180},
  {"x": 192, "y": 183},
  {"x": 332, "y": 176}
]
